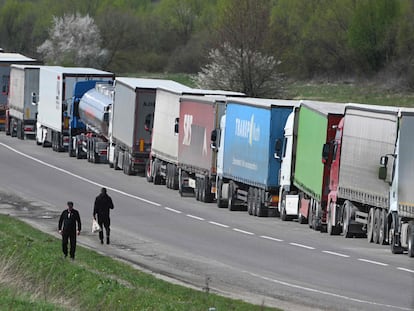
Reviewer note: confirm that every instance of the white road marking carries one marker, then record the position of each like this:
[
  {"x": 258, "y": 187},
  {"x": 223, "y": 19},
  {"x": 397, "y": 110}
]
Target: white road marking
[
  {"x": 195, "y": 217},
  {"x": 218, "y": 224},
  {"x": 373, "y": 262},
  {"x": 336, "y": 254},
  {"x": 270, "y": 238},
  {"x": 242, "y": 231},
  {"x": 80, "y": 177},
  {"x": 405, "y": 269},
  {"x": 172, "y": 210},
  {"x": 325, "y": 293},
  {"x": 301, "y": 245}
]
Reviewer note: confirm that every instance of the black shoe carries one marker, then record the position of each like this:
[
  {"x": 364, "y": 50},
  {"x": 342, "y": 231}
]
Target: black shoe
[
  {"x": 101, "y": 241},
  {"x": 72, "y": 258},
  {"x": 107, "y": 240}
]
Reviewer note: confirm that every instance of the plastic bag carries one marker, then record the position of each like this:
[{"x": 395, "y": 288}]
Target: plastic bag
[{"x": 95, "y": 226}]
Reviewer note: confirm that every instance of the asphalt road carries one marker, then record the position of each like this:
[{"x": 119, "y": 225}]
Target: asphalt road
[{"x": 260, "y": 260}]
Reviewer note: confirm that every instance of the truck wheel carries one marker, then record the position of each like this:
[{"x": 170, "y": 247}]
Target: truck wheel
[
  {"x": 157, "y": 176},
  {"x": 202, "y": 190},
  {"x": 220, "y": 202},
  {"x": 175, "y": 182},
  {"x": 370, "y": 225},
  {"x": 376, "y": 227},
  {"x": 395, "y": 247},
  {"x": 231, "y": 203},
  {"x": 310, "y": 214},
  {"x": 197, "y": 189},
  {"x": 331, "y": 228},
  {"x": 410, "y": 241},
  {"x": 250, "y": 201},
  {"x": 346, "y": 221},
  {"x": 148, "y": 171},
  {"x": 261, "y": 210},
  {"x": 383, "y": 227}
]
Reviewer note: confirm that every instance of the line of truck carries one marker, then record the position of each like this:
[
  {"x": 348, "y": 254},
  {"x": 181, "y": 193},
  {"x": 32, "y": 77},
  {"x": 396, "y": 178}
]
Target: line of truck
[{"x": 341, "y": 168}]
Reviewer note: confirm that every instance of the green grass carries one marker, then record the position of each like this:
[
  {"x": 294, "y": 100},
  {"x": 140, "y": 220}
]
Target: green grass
[{"x": 33, "y": 275}]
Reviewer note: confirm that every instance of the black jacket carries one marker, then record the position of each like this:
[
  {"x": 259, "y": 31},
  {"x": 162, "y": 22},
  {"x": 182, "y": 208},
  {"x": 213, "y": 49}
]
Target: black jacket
[
  {"x": 103, "y": 203},
  {"x": 67, "y": 221}
]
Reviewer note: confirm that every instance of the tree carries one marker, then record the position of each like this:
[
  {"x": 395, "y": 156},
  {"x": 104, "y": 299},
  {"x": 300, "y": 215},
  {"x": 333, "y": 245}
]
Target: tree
[
  {"x": 242, "y": 62},
  {"x": 225, "y": 72},
  {"x": 73, "y": 40}
]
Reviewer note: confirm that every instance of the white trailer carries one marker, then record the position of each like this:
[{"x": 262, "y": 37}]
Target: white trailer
[
  {"x": 162, "y": 167},
  {"x": 400, "y": 220},
  {"x": 24, "y": 87},
  {"x": 56, "y": 86}
]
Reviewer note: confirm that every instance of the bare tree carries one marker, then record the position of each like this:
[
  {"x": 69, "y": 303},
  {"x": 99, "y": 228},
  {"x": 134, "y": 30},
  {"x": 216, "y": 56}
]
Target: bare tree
[{"x": 73, "y": 40}]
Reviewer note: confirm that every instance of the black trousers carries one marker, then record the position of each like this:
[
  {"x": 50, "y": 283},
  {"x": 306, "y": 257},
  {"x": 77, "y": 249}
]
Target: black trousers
[
  {"x": 69, "y": 236},
  {"x": 104, "y": 223}
]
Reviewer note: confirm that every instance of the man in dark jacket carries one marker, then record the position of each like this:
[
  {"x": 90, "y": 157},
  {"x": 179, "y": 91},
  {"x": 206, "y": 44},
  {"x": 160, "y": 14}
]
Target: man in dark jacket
[
  {"x": 67, "y": 228},
  {"x": 103, "y": 203}
]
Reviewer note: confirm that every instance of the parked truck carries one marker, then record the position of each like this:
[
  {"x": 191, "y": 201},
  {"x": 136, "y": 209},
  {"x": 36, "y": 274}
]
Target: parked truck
[
  {"x": 249, "y": 147},
  {"x": 6, "y": 60},
  {"x": 197, "y": 162},
  {"x": 358, "y": 201},
  {"x": 132, "y": 122},
  {"x": 162, "y": 167},
  {"x": 90, "y": 111},
  {"x": 56, "y": 86},
  {"x": 21, "y": 113},
  {"x": 400, "y": 218},
  {"x": 304, "y": 177}
]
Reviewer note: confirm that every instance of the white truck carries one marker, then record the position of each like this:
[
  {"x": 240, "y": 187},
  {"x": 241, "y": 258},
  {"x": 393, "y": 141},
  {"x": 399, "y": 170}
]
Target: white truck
[
  {"x": 21, "y": 113},
  {"x": 400, "y": 220},
  {"x": 131, "y": 123},
  {"x": 56, "y": 86}
]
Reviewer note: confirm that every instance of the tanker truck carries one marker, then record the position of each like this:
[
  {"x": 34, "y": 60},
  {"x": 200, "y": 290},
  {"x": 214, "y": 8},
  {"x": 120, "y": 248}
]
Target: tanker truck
[
  {"x": 399, "y": 225},
  {"x": 249, "y": 153},
  {"x": 89, "y": 120},
  {"x": 56, "y": 86},
  {"x": 358, "y": 202},
  {"x": 21, "y": 113},
  {"x": 304, "y": 177}
]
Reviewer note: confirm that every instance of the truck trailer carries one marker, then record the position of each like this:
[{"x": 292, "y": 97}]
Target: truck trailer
[
  {"x": 132, "y": 122},
  {"x": 89, "y": 120},
  {"x": 6, "y": 60},
  {"x": 197, "y": 162},
  {"x": 162, "y": 168},
  {"x": 21, "y": 113},
  {"x": 358, "y": 202},
  {"x": 304, "y": 177},
  {"x": 249, "y": 155},
  {"x": 399, "y": 224},
  {"x": 56, "y": 87}
]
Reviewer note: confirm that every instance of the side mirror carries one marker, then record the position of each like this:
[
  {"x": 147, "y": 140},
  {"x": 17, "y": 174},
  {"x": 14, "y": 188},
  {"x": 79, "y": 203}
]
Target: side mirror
[
  {"x": 176, "y": 124},
  {"x": 34, "y": 99},
  {"x": 213, "y": 138},
  {"x": 278, "y": 149},
  {"x": 325, "y": 152},
  {"x": 382, "y": 171}
]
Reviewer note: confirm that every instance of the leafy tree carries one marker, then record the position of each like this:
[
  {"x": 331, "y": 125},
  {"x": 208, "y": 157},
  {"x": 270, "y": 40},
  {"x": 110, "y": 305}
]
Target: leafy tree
[
  {"x": 74, "y": 40},
  {"x": 225, "y": 72}
]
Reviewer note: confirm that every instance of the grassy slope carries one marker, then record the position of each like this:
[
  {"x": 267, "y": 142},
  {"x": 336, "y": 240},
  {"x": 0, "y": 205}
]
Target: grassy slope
[{"x": 33, "y": 273}]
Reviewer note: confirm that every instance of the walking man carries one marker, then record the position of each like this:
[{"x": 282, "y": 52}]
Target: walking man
[
  {"x": 67, "y": 228},
  {"x": 103, "y": 203}
]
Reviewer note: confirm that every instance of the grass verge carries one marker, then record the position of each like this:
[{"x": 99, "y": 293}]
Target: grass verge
[{"x": 34, "y": 276}]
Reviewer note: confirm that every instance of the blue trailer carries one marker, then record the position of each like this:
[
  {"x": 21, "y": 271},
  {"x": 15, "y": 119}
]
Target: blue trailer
[{"x": 249, "y": 145}]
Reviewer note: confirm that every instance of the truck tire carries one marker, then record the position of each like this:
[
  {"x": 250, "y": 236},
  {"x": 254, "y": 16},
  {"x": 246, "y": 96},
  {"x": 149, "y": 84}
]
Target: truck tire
[
  {"x": 148, "y": 171},
  {"x": 250, "y": 201},
  {"x": 376, "y": 227},
  {"x": 410, "y": 241},
  {"x": 232, "y": 197},
  {"x": 157, "y": 176},
  {"x": 283, "y": 215},
  {"x": 382, "y": 239},
  {"x": 370, "y": 224},
  {"x": 346, "y": 220},
  {"x": 175, "y": 182},
  {"x": 261, "y": 209},
  {"x": 395, "y": 246},
  {"x": 220, "y": 202},
  {"x": 332, "y": 229}
]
